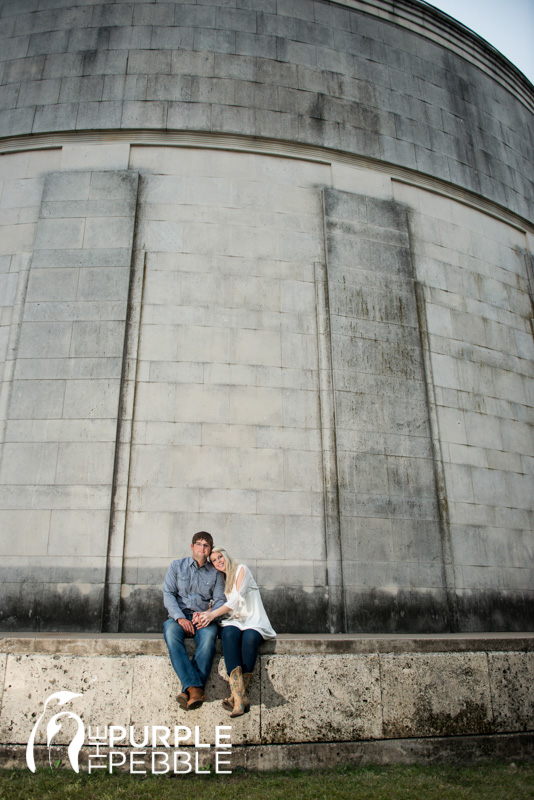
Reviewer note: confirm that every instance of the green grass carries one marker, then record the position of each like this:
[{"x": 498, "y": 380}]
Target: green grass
[{"x": 489, "y": 781}]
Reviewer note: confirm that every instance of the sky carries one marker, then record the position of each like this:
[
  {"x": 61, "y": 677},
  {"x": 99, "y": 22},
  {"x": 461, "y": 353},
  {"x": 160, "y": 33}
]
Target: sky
[{"x": 508, "y": 25}]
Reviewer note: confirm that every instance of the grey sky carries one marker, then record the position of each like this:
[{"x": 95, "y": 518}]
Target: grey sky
[{"x": 508, "y": 25}]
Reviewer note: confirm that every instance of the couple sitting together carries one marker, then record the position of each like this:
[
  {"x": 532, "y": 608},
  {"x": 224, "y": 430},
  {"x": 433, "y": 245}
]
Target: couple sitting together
[{"x": 202, "y": 597}]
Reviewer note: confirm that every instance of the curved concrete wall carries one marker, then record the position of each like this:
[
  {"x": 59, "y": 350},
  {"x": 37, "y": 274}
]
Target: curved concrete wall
[{"x": 265, "y": 272}]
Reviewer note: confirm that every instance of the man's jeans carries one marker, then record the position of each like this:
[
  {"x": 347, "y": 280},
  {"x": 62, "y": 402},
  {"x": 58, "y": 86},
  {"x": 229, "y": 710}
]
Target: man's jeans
[{"x": 196, "y": 671}]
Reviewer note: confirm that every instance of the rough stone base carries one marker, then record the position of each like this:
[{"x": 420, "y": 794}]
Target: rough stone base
[{"x": 314, "y": 701}]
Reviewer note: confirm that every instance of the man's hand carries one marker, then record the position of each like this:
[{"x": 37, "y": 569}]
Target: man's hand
[{"x": 187, "y": 625}]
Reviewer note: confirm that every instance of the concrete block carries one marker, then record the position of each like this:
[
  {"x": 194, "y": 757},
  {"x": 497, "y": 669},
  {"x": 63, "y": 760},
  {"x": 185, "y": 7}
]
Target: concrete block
[
  {"x": 225, "y": 435},
  {"x": 36, "y": 399},
  {"x": 517, "y": 436},
  {"x": 155, "y": 689},
  {"x": 103, "y": 62},
  {"x": 149, "y": 62},
  {"x": 490, "y": 487},
  {"x": 21, "y": 193},
  {"x": 75, "y": 90},
  {"x": 8, "y": 96},
  {"x": 150, "y": 14},
  {"x": 255, "y": 406},
  {"x": 104, "y": 683},
  {"x": 227, "y": 501},
  {"x": 122, "y": 39},
  {"x": 84, "y": 463},
  {"x": 60, "y": 430},
  {"x": 24, "y": 69},
  {"x": 194, "y": 16},
  {"x": 48, "y": 42},
  {"x": 97, "y": 339},
  {"x": 185, "y": 116},
  {"x": 214, "y": 41},
  {"x": 78, "y": 533},
  {"x": 276, "y": 25},
  {"x": 208, "y": 403},
  {"x": 257, "y": 347},
  {"x": 302, "y": 471},
  {"x": 99, "y": 399},
  {"x": 442, "y": 694},
  {"x": 252, "y": 44},
  {"x": 165, "y": 87},
  {"x": 233, "y": 119},
  {"x": 167, "y": 189},
  {"x": 61, "y": 116},
  {"x": 160, "y": 236},
  {"x": 295, "y": 504},
  {"x": 159, "y": 342},
  {"x": 114, "y": 185},
  {"x": 151, "y": 466},
  {"x": 228, "y": 469},
  {"x": 24, "y": 533},
  {"x": 44, "y": 340},
  {"x": 336, "y": 715},
  {"x": 308, "y": 530},
  {"x": 103, "y": 284},
  {"x": 298, "y": 9},
  {"x": 28, "y": 463},
  {"x": 99, "y": 115},
  {"x": 114, "y": 15},
  {"x": 481, "y": 431},
  {"x": 67, "y": 186},
  {"x": 146, "y": 114},
  {"x": 102, "y": 232},
  {"x": 52, "y": 285},
  {"x": 58, "y": 234},
  {"x": 34, "y": 93}
]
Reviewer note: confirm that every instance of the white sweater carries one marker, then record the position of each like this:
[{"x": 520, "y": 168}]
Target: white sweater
[{"x": 247, "y": 607}]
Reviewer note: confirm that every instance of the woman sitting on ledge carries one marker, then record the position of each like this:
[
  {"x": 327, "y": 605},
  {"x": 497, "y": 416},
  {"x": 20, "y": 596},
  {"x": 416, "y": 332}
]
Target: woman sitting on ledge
[{"x": 242, "y": 631}]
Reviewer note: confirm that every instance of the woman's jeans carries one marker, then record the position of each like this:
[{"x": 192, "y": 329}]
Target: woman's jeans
[
  {"x": 196, "y": 671},
  {"x": 240, "y": 648}
]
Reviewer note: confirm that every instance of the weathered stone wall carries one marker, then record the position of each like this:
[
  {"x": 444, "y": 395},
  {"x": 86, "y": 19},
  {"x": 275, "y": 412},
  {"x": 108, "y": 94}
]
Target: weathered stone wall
[
  {"x": 376, "y": 692},
  {"x": 266, "y": 368}
]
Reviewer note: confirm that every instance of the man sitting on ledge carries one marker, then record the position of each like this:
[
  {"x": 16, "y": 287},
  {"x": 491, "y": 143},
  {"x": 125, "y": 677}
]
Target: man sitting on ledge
[{"x": 191, "y": 585}]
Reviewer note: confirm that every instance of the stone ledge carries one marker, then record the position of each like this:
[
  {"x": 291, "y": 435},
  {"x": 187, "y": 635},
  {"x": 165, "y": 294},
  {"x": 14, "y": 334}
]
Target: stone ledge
[
  {"x": 127, "y": 644},
  {"x": 308, "y": 691}
]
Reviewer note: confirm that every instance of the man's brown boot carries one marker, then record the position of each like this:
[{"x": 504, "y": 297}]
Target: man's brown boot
[
  {"x": 196, "y": 697},
  {"x": 183, "y": 699}
]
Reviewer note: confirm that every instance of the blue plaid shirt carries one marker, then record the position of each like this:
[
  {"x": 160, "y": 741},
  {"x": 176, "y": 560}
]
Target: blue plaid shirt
[{"x": 188, "y": 588}]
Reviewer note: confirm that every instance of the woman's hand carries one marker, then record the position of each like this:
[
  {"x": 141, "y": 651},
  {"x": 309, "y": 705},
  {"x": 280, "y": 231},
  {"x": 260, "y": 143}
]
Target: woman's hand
[{"x": 203, "y": 618}]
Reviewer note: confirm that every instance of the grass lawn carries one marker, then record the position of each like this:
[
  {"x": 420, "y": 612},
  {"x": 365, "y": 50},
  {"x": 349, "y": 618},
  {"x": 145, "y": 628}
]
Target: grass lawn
[{"x": 489, "y": 781}]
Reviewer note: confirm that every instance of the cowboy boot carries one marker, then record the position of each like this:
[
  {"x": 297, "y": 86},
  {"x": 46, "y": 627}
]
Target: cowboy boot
[
  {"x": 228, "y": 702},
  {"x": 196, "y": 697},
  {"x": 241, "y": 704}
]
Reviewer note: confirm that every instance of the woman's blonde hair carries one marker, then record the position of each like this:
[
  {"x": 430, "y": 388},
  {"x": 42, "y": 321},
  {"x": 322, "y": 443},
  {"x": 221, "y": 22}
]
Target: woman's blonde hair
[{"x": 231, "y": 568}]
